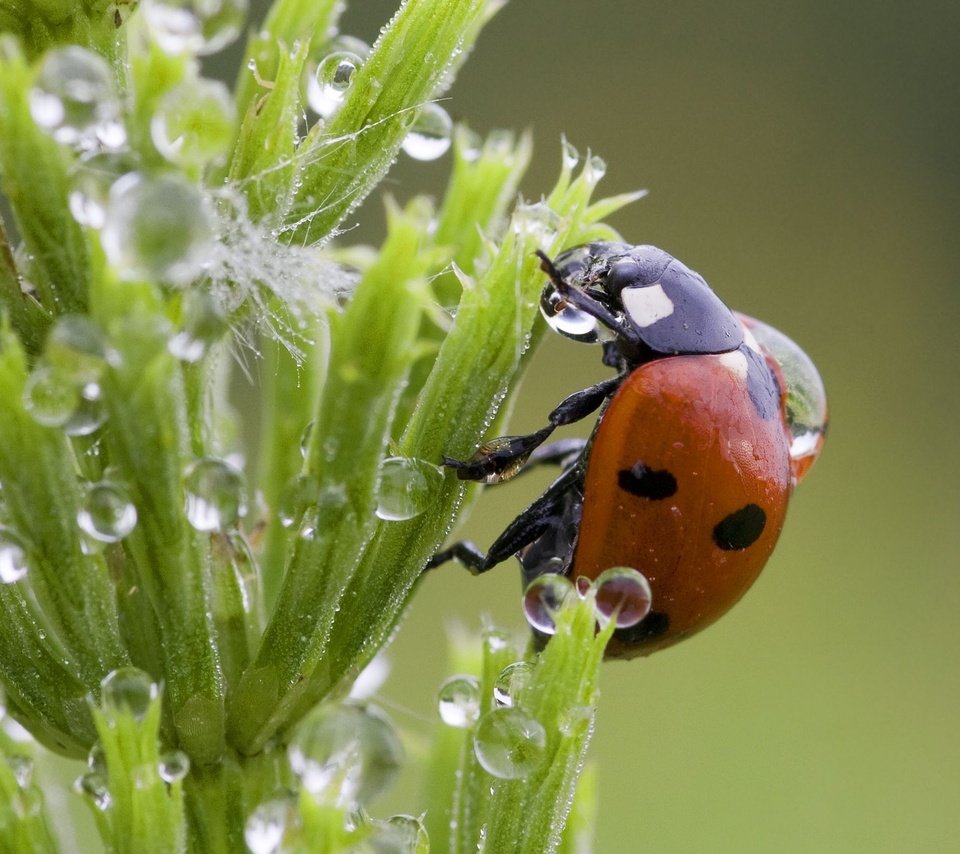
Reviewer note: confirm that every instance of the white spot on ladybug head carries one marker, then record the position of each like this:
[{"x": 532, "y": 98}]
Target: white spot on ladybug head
[
  {"x": 736, "y": 363},
  {"x": 646, "y": 305}
]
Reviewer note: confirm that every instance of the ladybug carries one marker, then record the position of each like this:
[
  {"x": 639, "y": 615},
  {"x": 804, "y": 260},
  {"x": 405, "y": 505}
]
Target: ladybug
[{"x": 711, "y": 419}]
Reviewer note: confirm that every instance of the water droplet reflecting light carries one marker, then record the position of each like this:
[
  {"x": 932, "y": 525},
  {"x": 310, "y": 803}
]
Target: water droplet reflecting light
[
  {"x": 430, "y": 135},
  {"x": 509, "y": 743},
  {"x": 543, "y": 598},
  {"x": 622, "y": 594},
  {"x": 407, "y": 488},
  {"x": 458, "y": 701}
]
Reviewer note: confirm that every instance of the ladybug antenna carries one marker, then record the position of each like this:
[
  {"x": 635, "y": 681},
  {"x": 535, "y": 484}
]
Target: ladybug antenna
[{"x": 551, "y": 270}]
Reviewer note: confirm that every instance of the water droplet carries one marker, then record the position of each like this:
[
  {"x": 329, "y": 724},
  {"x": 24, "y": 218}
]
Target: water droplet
[
  {"x": 215, "y": 495},
  {"x": 74, "y": 98},
  {"x": 76, "y": 348},
  {"x": 202, "y": 325},
  {"x": 92, "y": 179},
  {"x": 305, "y": 439},
  {"x": 458, "y": 701},
  {"x": 538, "y": 221},
  {"x": 22, "y": 767},
  {"x": 194, "y": 26},
  {"x": 399, "y": 834},
  {"x": 345, "y": 755},
  {"x": 157, "y": 228},
  {"x": 407, "y": 487},
  {"x": 329, "y": 84},
  {"x": 566, "y": 319},
  {"x": 49, "y": 396},
  {"x": 570, "y": 157},
  {"x": 128, "y": 690},
  {"x": 543, "y": 598},
  {"x": 266, "y": 825},
  {"x": 93, "y": 786},
  {"x": 107, "y": 514},
  {"x": 193, "y": 124},
  {"x": 509, "y": 743},
  {"x": 806, "y": 396},
  {"x": 97, "y": 759},
  {"x": 89, "y": 414},
  {"x": 594, "y": 169},
  {"x": 622, "y": 594},
  {"x": 13, "y": 557},
  {"x": 511, "y": 682},
  {"x": 430, "y": 134},
  {"x": 299, "y": 494},
  {"x": 469, "y": 144},
  {"x": 576, "y": 721},
  {"x": 174, "y": 766}
]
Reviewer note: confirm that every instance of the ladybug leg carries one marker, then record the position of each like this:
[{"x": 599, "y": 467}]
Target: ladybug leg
[
  {"x": 529, "y": 526},
  {"x": 503, "y": 458}
]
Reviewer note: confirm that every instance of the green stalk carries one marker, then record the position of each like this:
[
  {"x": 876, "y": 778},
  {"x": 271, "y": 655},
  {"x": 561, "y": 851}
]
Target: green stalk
[{"x": 369, "y": 358}]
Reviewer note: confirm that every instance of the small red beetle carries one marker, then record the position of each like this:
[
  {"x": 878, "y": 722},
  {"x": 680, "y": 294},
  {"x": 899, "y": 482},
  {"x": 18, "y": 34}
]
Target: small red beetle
[{"x": 710, "y": 421}]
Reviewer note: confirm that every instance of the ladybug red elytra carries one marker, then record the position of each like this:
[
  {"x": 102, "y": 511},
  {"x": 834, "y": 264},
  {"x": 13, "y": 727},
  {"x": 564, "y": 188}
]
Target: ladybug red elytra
[{"x": 711, "y": 420}]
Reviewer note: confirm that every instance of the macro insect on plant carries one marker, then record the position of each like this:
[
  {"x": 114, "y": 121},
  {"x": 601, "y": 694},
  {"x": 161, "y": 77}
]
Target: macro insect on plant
[{"x": 675, "y": 503}]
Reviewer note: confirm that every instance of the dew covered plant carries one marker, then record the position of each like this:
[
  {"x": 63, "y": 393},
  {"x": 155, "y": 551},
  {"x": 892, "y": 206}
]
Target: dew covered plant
[{"x": 190, "y": 589}]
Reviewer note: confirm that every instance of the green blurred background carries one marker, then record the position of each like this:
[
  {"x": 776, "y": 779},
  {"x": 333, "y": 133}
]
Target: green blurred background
[{"x": 803, "y": 158}]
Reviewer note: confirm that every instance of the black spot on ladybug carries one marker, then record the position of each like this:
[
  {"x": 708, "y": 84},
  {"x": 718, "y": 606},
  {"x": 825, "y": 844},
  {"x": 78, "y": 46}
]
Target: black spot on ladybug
[
  {"x": 740, "y": 529},
  {"x": 762, "y": 385},
  {"x": 647, "y": 483},
  {"x": 652, "y": 626}
]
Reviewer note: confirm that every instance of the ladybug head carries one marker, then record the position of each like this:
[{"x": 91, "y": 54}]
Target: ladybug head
[{"x": 654, "y": 298}]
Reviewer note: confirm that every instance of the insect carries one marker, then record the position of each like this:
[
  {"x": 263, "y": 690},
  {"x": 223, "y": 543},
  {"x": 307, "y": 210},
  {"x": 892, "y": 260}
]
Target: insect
[{"x": 710, "y": 421}]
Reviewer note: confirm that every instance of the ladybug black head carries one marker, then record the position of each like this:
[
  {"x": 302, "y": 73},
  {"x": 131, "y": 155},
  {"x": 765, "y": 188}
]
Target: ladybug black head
[{"x": 658, "y": 302}]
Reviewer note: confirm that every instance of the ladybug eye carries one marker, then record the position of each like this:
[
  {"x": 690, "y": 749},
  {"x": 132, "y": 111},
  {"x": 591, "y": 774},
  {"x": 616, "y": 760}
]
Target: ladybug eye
[
  {"x": 623, "y": 273},
  {"x": 564, "y": 318},
  {"x": 806, "y": 402}
]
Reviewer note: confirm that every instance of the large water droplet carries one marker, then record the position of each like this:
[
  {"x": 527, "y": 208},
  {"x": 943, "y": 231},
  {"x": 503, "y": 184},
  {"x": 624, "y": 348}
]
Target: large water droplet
[
  {"x": 458, "y": 701},
  {"x": 128, "y": 690},
  {"x": 158, "y": 228},
  {"x": 49, "y": 396},
  {"x": 107, "y": 514},
  {"x": 13, "y": 556},
  {"x": 543, "y": 598},
  {"x": 509, "y": 743},
  {"x": 266, "y": 825},
  {"x": 194, "y": 26},
  {"x": 407, "y": 487},
  {"x": 622, "y": 594},
  {"x": 399, "y": 834},
  {"x": 565, "y": 318},
  {"x": 430, "y": 134},
  {"x": 74, "y": 98},
  {"x": 215, "y": 499},
  {"x": 299, "y": 493},
  {"x": 77, "y": 349},
  {"x": 329, "y": 84},
  {"x": 202, "y": 325},
  {"x": 194, "y": 123},
  {"x": 345, "y": 755},
  {"x": 174, "y": 766},
  {"x": 92, "y": 179},
  {"x": 89, "y": 414},
  {"x": 511, "y": 682},
  {"x": 806, "y": 396},
  {"x": 93, "y": 787}
]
